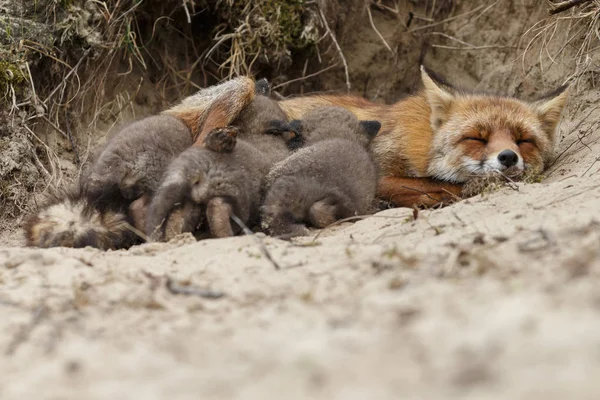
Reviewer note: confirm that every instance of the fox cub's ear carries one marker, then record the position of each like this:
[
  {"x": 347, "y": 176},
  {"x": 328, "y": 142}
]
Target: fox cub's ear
[
  {"x": 296, "y": 126},
  {"x": 262, "y": 87},
  {"x": 295, "y": 139},
  {"x": 550, "y": 107},
  {"x": 370, "y": 128},
  {"x": 439, "y": 98},
  {"x": 290, "y": 132}
]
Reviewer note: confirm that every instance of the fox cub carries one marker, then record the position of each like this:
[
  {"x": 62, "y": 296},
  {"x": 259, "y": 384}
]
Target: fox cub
[
  {"x": 330, "y": 177},
  {"x": 226, "y": 176},
  {"x": 102, "y": 211}
]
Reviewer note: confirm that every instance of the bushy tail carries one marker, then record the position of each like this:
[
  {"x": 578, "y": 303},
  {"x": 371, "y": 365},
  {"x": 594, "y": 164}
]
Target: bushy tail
[{"x": 68, "y": 219}]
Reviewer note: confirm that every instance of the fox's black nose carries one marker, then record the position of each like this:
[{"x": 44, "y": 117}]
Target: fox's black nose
[{"x": 508, "y": 158}]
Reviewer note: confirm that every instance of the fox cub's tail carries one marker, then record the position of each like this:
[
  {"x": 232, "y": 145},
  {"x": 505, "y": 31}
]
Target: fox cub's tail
[{"x": 69, "y": 219}]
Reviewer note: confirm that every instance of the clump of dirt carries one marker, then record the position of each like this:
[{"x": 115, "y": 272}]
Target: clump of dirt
[{"x": 19, "y": 174}]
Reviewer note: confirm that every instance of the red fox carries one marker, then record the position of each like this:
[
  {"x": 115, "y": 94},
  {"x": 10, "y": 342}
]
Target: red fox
[{"x": 429, "y": 143}]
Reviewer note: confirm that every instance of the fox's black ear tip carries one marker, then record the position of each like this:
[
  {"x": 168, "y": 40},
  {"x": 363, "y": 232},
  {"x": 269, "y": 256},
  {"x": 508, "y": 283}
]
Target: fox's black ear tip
[
  {"x": 434, "y": 76},
  {"x": 262, "y": 87},
  {"x": 371, "y": 127},
  {"x": 560, "y": 90},
  {"x": 554, "y": 93}
]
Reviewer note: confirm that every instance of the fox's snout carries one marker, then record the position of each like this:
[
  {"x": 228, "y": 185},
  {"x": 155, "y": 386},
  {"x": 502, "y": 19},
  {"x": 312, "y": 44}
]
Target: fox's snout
[
  {"x": 502, "y": 152},
  {"x": 505, "y": 159}
]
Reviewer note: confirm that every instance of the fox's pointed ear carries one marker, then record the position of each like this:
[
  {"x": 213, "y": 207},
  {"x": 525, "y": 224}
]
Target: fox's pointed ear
[
  {"x": 438, "y": 97},
  {"x": 370, "y": 128},
  {"x": 550, "y": 107}
]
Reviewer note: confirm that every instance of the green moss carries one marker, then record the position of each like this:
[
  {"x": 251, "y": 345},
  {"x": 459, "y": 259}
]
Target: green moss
[
  {"x": 265, "y": 30},
  {"x": 287, "y": 15},
  {"x": 66, "y": 4},
  {"x": 10, "y": 76},
  {"x": 4, "y": 189}
]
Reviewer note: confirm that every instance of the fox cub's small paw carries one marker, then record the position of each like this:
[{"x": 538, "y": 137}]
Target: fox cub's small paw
[{"x": 222, "y": 140}]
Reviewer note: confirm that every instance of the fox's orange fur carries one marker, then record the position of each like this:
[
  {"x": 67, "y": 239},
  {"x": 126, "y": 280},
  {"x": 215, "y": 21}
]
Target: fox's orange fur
[
  {"x": 429, "y": 144},
  {"x": 214, "y": 107}
]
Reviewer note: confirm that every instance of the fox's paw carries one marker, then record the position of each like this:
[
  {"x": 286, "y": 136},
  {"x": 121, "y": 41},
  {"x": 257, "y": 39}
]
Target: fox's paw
[{"x": 222, "y": 140}]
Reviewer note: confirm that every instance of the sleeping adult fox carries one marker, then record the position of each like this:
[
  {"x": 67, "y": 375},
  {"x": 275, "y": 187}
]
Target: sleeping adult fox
[{"x": 429, "y": 143}]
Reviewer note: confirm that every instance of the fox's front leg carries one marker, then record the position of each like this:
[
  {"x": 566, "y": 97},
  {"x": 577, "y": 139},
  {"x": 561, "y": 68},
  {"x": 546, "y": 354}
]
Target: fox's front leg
[{"x": 420, "y": 192}]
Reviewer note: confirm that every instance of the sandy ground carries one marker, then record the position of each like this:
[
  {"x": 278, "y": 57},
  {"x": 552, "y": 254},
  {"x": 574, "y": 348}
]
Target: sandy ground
[{"x": 493, "y": 297}]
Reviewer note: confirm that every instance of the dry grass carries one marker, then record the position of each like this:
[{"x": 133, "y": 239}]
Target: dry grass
[
  {"x": 569, "y": 37},
  {"x": 100, "y": 54}
]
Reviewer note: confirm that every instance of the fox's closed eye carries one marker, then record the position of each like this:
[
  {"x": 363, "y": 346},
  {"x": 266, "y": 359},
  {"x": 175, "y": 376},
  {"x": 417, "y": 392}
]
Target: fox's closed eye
[
  {"x": 475, "y": 139},
  {"x": 521, "y": 141}
]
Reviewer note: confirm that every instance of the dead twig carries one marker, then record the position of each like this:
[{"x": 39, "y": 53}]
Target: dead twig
[
  {"x": 187, "y": 12},
  {"x": 594, "y": 163},
  {"x": 260, "y": 243},
  {"x": 73, "y": 147},
  {"x": 510, "y": 182},
  {"x": 357, "y": 218},
  {"x": 385, "y": 43},
  {"x": 337, "y": 46},
  {"x": 72, "y": 71},
  {"x": 556, "y": 8},
  {"x": 452, "y": 18},
  {"x": 338, "y": 222},
  {"x": 175, "y": 288},
  {"x": 56, "y": 128},
  {"x": 486, "y": 47},
  {"x": 454, "y": 196},
  {"x": 305, "y": 77},
  {"x": 579, "y": 138},
  {"x": 377, "y": 4}
]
